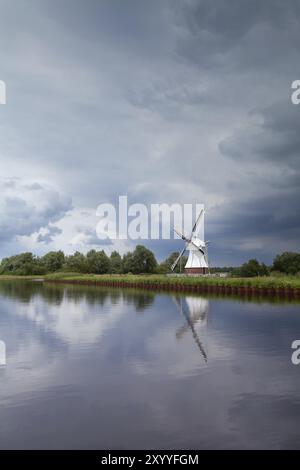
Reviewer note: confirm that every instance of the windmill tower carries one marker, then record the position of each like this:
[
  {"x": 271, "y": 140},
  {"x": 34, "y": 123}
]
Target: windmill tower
[{"x": 197, "y": 262}]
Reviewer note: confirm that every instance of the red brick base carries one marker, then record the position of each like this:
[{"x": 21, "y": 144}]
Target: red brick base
[{"x": 196, "y": 270}]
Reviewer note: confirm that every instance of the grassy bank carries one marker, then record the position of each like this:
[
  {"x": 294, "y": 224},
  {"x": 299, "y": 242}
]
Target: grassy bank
[
  {"x": 6, "y": 277},
  {"x": 284, "y": 284},
  {"x": 163, "y": 281}
]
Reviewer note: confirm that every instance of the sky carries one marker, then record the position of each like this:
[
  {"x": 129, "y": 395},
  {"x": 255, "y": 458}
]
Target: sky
[{"x": 178, "y": 101}]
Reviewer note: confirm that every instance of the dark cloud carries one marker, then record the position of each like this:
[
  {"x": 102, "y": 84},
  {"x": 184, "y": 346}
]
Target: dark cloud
[
  {"x": 275, "y": 137},
  {"x": 237, "y": 33},
  {"x": 166, "y": 101},
  {"x": 269, "y": 214}
]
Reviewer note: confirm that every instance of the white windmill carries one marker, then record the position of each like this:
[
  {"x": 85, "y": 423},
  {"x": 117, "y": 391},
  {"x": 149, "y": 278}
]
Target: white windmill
[{"x": 197, "y": 262}]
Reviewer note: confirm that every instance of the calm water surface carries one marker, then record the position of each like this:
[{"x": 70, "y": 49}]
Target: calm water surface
[{"x": 93, "y": 368}]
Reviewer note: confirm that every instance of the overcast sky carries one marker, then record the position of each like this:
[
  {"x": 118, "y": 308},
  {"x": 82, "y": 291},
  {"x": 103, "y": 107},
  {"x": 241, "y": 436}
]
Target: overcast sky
[{"x": 166, "y": 101}]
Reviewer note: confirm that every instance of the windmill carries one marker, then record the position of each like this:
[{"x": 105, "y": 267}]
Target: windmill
[{"x": 197, "y": 262}]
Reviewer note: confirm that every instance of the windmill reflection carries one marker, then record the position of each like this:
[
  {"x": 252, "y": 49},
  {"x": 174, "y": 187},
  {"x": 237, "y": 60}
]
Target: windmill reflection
[{"x": 195, "y": 310}]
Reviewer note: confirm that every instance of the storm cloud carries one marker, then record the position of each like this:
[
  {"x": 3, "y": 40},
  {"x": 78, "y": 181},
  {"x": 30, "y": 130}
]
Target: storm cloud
[{"x": 165, "y": 101}]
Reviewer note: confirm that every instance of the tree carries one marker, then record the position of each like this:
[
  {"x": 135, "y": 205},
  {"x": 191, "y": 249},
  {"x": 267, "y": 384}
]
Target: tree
[
  {"x": 53, "y": 261},
  {"x": 116, "y": 265},
  {"x": 97, "y": 262},
  {"x": 287, "y": 262},
  {"x": 143, "y": 260},
  {"x": 127, "y": 262},
  {"x": 251, "y": 269},
  {"x": 76, "y": 263},
  {"x": 23, "y": 264}
]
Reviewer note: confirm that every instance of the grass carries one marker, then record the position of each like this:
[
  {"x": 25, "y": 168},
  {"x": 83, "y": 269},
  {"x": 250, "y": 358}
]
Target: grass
[
  {"x": 13, "y": 277},
  {"x": 158, "y": 279}
]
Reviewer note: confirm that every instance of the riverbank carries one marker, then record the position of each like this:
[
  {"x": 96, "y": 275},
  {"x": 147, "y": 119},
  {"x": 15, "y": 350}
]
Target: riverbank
[
  {"x": 5, "y": 277},
  {"x": 282, "y": 286}
]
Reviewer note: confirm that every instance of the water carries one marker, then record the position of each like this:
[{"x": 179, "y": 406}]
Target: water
[{"x": 89, "y": 368}]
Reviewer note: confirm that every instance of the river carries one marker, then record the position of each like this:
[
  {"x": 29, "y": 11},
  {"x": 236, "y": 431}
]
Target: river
[{"x": 92, "y": 368}]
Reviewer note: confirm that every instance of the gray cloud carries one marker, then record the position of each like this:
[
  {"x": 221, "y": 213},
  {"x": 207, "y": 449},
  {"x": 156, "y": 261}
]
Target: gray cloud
[
  {"x": 87, "y": 237},
  {"x": 275, "y": 137},
  {"x": 48, "y": 234},
  {"x": 24, "y": 210},
  {"x": 166, "y": 101},
  {"x": 272, "y": 146},
  {"x": 227, "y": 34}
]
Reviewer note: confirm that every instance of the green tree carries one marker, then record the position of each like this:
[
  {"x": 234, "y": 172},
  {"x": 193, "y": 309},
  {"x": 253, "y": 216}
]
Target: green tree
[
  {"x": 116, "y": 265},
  {"x": 97, "y": 262},
  {"x": 251, "y": 269},
  {"x": 53, "y": 261},
  {"x": 127, "y": 262},
  {"x": 287, "y": 262},
  {"x": 76, "y": 263},
  {"x": 22, "y": 264},
  {"x": 142, "y": 261}
]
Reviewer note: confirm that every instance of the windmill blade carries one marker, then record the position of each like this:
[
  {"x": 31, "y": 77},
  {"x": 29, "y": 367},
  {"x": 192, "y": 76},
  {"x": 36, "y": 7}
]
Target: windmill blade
[
  {"x": 177, "y": 302},
  {"x": 183, "y": 329},
  {"x": 183, "y": 237},
  {"x": 207, "y": 242},
  {"x": 206, "y": 258},
  {"x": 197, "y": 222},
  {"x": 198, "y": 247},
  {"x": 188, "y": 241},
  {"x": 178, "y": 258}
]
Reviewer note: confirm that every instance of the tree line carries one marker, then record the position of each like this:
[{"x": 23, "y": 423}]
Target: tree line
[
  {"x": 287, "y": 263},
  {"x": 140, "y": 261}
]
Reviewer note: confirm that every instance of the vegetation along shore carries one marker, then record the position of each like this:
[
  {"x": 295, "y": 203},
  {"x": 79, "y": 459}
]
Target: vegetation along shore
[{"x": 139, "y": 269}]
